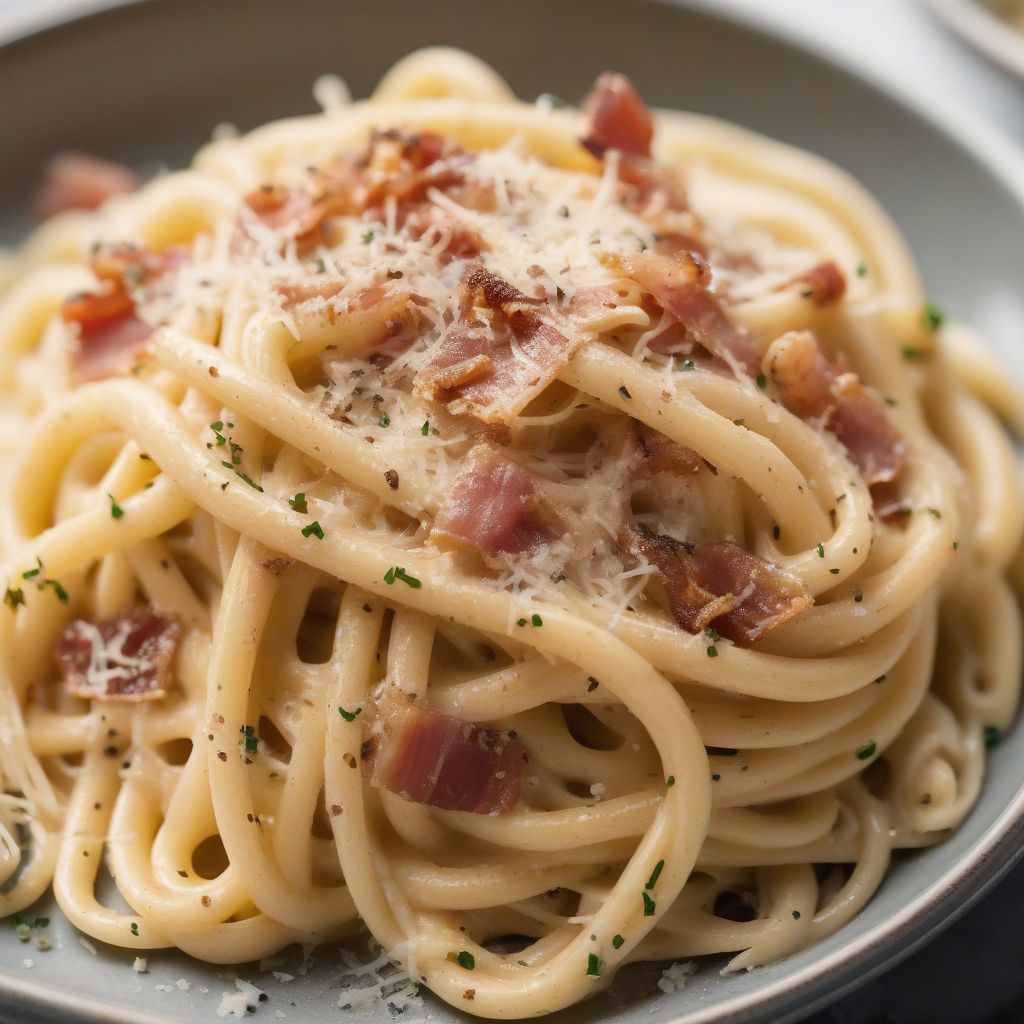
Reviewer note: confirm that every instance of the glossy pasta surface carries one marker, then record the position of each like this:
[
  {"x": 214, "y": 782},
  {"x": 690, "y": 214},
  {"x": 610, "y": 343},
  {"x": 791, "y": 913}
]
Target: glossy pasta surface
[{"x": 648, "y": 465}]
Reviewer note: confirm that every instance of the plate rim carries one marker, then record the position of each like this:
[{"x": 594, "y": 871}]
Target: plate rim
[
  {"x": 993, "y": 854},
  {"x": 983, "y": 30}
]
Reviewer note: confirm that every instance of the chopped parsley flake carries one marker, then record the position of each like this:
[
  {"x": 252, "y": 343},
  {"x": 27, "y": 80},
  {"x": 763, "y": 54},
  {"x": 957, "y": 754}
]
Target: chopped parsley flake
[
  {"x": 821, "y": 550},
  {"x": 536, "y": 620},
  {"x": 866, "y": 751},
  {"x": 521, "y": 622},
  {"x": 670, "y": 781},
  {"x": 13, "y": 597},
  {"x": 595, "y": 965},
  {"x": 991, "y": 734},
  {"x": 618, "y": 941},
  {"x": 463, "y": 958},
  {"x": 31, "y": 574},
  {"x": 931, "y": 318},
  {"x": 299, "y": 502},
  {"x": 385, "y": 420},
  {"x": 116, "y": 512},
  {"x": 321, "y": 267},
  {"x": 861, "y": 269},
  {"x": 935, "y": 512},
  {"x": 425, "y": 429},
  {"x": 368, "y": 236},
  {"x": 712, "y": 651},
  {"x": 314, "y": 529},
  {"x": 349, "y": 716},
  {"x": 649, "y": 904},
  {"x": 655, "y": 874},
  {"x": 398, "y": 573},
  {"x": 762, "y": 381},
  {"x": 686, "y": 364},
  {"x": 913, "y": 355},
  {"x": 712, "y": 634}
]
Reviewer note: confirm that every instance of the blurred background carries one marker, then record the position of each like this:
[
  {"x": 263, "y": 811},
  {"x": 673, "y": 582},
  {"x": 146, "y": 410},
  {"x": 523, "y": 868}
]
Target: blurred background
[{"x": 961, "y": 58}]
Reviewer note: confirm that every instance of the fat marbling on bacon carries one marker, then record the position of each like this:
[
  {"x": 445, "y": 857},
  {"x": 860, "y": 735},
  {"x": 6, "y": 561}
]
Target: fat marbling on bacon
[
  {"x": 431, "y": 758},
  {"x": 824, "y": 281},
  {"x": 81, "y": 181},
  {"x": 124, "y": 659},
  {"x": 111, "y": 332},
  {"x": 494, "y": 508},
  {"x": 719, "y": 586},
  {"x": 815, "y": 388},
  {"x": 680, "y": 284},
  {"x": 491, "y": 366}
]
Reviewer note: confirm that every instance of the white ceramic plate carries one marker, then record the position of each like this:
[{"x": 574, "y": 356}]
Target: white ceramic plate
[
  {"x": 147, "y": 81},
  {"x": 977, "y": 22}
]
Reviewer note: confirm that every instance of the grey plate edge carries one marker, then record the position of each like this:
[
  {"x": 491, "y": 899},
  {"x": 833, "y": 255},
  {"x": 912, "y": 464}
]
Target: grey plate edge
[{"x": 933, "y": 910}]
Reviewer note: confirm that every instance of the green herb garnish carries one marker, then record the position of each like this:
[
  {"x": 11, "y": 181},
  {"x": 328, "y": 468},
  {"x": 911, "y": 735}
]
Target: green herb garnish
[
  {"x": 866, "y": 751},
  {"x": 314, "y": 529}
]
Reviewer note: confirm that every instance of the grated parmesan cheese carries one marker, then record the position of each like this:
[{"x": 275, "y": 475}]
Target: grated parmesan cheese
[{"x": 673, "y": 979}]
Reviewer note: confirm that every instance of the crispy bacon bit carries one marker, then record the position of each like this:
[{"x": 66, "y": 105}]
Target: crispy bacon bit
[
  {"x": 493, "y": 508},
  {"x": 824, "y": 281},
  {"x": 618, "y": 118},
  {"x": 128, "y": 658},
  {"x": 679, "y": 285},
  {"x": 126, "y": 265},
  {"x": 406, "y": 165},
  {"x": 499, "y": 366},
  {"x": 811, "y": 387},
  {"x": 719, "y": 586},
  {"x": 431, "y": 758},
  {"x": 80, "y": 181},
  {"x": 663, "y": 455},
  {"x": 110, "y": 333}
]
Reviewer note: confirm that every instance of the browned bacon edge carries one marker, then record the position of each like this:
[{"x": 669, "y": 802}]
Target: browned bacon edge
[
  {"x": 719, "y": 586},
  {"x": 813, "y": 387}
]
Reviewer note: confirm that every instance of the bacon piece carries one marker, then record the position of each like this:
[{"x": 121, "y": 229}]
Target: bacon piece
[
  {"x": 124, "y": 265},
  {"x": 127, "y": 659},
  {"x": 618, "y": 118},
  {"x": 824, "y": 281},
  {"x": 525, "y": 351},
  {"x": 812, "y": 387},
  {"x": 679, "y": 285},
  {"x": 80, "y": 181},
  {"x": 110, "y": 332},
  {"x": 304, "y": 215},
  {"x": 720, "y": 586},
  {"x": 431, "y": 758},
  {"x": 663, "y": 455},
  {"x": 493, "y": 508},
  {"x": 316, "y": 286},
  {"x": 463, "y": 242},
  {"x": 406, "y": 165}
]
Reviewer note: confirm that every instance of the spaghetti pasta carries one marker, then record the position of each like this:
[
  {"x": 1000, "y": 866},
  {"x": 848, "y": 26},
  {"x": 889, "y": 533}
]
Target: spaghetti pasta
[{"x": 649, "y": 483}]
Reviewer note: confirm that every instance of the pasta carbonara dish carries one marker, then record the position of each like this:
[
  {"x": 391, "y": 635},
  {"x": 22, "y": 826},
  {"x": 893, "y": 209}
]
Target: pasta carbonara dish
[{"x": 545, "y": 538}]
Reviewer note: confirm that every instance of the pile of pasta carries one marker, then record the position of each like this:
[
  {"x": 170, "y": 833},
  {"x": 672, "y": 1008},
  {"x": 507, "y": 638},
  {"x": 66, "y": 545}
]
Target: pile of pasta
[{"x": 546, "y": 538}]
